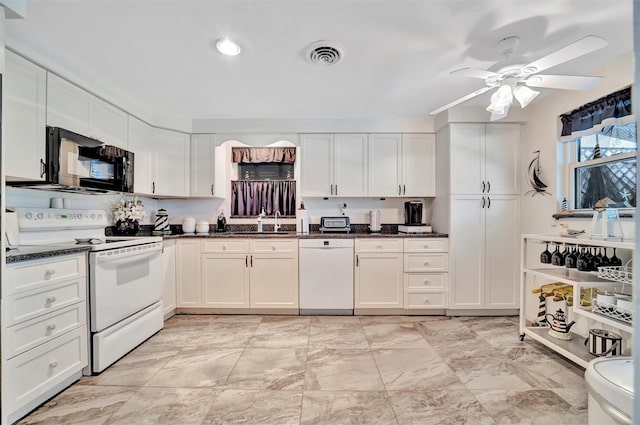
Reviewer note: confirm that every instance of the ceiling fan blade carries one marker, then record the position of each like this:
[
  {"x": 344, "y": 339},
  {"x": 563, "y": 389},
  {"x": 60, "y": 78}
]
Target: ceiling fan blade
[
  {"x": 566, "y": 82},
  {"x": 581, "y": 47},
  {"x": 476, "y": 73},
  {"x": 462, "y": 99}
]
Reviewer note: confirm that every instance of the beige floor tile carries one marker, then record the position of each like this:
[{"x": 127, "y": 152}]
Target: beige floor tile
[
  {"x": 225, "y": 334},
  {"x": 269, "y": 369},
  {"x": 282, "y": 333},
  {"x": 347, "y": 408},
  {"x": 335, "y": 319},
  {"x": 255, "y": 407},
  {"x": 394, "y": 336},
  {"x": 331, "y": 369},
  {"x": 337, "y": 335}
]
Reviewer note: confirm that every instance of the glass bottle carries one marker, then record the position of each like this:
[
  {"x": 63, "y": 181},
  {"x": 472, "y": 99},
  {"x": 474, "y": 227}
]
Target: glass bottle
[
  {"x": 557, "y": 259},
  {"x": 571, "y": 259},
  {"x": 545, "y": 256}
]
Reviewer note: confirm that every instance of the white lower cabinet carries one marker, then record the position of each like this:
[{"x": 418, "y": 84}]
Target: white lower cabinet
[
  {"x": 425, "y": 273},
  {"x": 168, "y": 277},
  {"x": 44, "y": 332},
  {"x": 378, "y": 273},
  {"x": 237, "y": 273}
]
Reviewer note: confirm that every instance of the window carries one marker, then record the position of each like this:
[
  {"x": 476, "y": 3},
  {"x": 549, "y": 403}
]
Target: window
[{"x": 603, "y": 165}]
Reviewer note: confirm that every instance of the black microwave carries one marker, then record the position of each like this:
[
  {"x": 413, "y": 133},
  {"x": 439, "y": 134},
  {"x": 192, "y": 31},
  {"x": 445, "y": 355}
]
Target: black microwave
[{"x": 79, "y": 163}]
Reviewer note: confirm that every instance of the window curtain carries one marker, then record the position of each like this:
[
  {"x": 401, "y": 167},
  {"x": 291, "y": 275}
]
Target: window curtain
[
  {"x": 609, "y": 110},
  {"x": 249, "y": 197},
  {"x": 253, "y": 155}
]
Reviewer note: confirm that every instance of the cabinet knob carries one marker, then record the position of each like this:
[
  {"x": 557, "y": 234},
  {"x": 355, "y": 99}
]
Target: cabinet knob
[
  {"x": 426, "y": 300},
  {"x": 51, "y": 327},
  {"x": 53, "y": 364},
  {"x": 224, "y": 247},
  {"x": 273, "y": 248},
  {"x": 379, "y": 246},
  {"x": 51, "y": 300},
  {"x": 426, "y": 263},
  {"x": 426, "y": 281},
  {"x": 426, "y": 245},
  {"x": 50, "y": 271}
]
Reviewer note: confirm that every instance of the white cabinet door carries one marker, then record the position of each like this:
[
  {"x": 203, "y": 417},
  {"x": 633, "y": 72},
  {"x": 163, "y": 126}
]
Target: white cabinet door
[
  {"x": 168, "y": 276},
  {"x": 502, "y": 159},
  {"x": 25, "y": 91},
  {"x": 384, "y": 165},
  {"x": 225, "y": 280},
  {"x": 316, "y": 164},
  {"x": 188, "y": 279},
  {"x": 467, "y": 158},
  {"x": 274, "y": 280},
  {"x": 467, "y": 258},
  {"x": 418, "y": 165},
  {"x": 203, "y": 175},
  {"x": 68, "y": 106},
  {"x": 502, "y": 231},
  {"x": 140, "y": 143},
  {"x": 350, "y": 165},
  {"x": 171, "y": 163},
  {"x": 379, "y": 280},
  {"x": 108, "y": 123}
]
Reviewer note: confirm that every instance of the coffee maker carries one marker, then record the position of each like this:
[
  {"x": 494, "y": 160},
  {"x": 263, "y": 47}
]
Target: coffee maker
[{"x": 413, "y": 213}]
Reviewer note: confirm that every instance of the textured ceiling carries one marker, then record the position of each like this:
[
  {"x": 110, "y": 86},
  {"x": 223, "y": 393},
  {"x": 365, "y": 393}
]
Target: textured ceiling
[{"x": 398, "y": 53}]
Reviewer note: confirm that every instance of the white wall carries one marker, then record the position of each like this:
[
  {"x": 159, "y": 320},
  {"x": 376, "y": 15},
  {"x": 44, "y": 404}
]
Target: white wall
[{"x": 542, "y": 131}]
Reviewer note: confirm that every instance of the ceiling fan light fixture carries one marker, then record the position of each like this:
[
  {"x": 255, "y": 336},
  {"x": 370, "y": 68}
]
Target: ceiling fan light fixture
[
  {"x": 502, "y": 97},
  {"x": 524, "y": 95},
  {"x": 227, "y": 47}
]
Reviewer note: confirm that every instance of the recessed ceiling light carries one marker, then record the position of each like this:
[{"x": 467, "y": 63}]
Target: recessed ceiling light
[{"x": 227, "y": 47}]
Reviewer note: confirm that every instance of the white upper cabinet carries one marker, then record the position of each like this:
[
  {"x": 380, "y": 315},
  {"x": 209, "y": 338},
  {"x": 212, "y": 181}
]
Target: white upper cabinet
[
  {"x": 402, "y": 165},
  {"x": 418, "y": 165},
  {"x": 485, "y": 159},
  {"x": 384, "y": 165},
  {"x": 72, "y": 108},
  {"x": 333, "y": 165},
  {"x": 203, "y": 176},
  {"x": 171, "y": 159},
  {"x": 25, "y": 90},
  {"x": 140, "y": 143},
  {"x": 68, "y": 106}
]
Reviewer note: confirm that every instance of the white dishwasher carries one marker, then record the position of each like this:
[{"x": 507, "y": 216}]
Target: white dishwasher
[{"x": 326, "y": 276}]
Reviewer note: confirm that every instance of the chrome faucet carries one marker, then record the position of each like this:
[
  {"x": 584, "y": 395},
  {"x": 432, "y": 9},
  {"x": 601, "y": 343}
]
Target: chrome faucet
[{"x": 276, "y": 226}]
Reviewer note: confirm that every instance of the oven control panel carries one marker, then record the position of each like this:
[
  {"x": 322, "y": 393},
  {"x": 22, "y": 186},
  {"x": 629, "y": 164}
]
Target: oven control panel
[{"x": 36, "y": 219}]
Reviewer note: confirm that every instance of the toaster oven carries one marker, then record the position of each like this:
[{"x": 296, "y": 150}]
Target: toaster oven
[{"x": 335, "y": 224}]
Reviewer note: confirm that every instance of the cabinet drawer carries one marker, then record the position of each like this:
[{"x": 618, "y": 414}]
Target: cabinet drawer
[
  {"x": 36, "y": 331},
  {"x": 425, "y": 281},
  {"x": 27, "y": 305},
  {"x": 426, "y": 245},
  {"x": 225, "y": 245},
  {"x": 31, "y": 274},
  {"x": 274, "y": 245},
  {"x": 425, "y": 262},
  {"x": 378, "y": 245},
  {"x": 425, "y": 300},
  {"x": 33, "y": 373}
]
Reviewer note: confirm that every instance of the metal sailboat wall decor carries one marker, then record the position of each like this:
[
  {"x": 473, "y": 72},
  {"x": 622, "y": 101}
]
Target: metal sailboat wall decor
[{"x": 533, "y": 174}]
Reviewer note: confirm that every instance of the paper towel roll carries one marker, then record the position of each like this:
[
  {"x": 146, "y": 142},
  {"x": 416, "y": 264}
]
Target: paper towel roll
[{"x": 302, "y": 221}]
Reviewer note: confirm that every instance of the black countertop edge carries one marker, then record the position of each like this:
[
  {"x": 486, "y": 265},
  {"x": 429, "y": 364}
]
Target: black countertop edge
[
  {"x": 37, "y": 252},
  {"x": 312, "y": 235},
  {"x": 560, "y": 216}
]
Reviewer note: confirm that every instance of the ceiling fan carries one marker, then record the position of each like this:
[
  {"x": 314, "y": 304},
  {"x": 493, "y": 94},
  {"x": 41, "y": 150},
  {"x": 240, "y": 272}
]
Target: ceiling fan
[{"x": 514, "y": 78}]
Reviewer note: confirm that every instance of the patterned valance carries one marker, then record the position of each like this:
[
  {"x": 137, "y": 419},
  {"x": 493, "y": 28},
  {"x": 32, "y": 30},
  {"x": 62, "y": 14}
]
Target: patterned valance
[{"x": 253, "y": 155}]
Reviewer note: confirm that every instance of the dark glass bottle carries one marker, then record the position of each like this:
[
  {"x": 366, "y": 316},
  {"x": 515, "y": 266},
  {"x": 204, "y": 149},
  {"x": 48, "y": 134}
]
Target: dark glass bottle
[{"x": 545, "y": 256}]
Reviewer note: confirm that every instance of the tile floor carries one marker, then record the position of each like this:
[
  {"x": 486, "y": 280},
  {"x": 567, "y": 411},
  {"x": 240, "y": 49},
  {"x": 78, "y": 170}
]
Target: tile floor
[{"x": 329, "y": 370}]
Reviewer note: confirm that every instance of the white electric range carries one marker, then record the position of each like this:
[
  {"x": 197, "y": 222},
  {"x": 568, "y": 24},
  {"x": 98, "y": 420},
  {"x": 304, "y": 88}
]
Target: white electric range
[{"x": 125, "y": 284}]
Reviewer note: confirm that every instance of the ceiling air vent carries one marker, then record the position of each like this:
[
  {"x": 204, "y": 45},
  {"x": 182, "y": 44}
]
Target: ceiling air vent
[{"x": 324, "y": 53}]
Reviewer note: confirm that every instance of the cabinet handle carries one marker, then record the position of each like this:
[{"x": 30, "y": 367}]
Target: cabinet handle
[
  {"x": 426, "y": 246},
  {"x": 246, "y": 261},
  {"x": 53, "y": 364},
  {"x": 399, "y": 190},
  {"x": 251, "y": 260},
  {"x": 483, "y": 186},
  {"x": 488, "y": 202},
  {"x": 51, "y": 327},
  {"x": 51, "y": 300},
  {"x": 483, "y": 201},
  {"x": 426, "y": 281},
  {"x": 153, "y": 187},
  {"x": 331, "y": 189},
  {"x": 426, "y": 300},
  {"x": 336, "y": 190},
  {"x": 212, "y": 189},
  {"x": 357, "y": 261},
  {"x": 404, "y": 189},
  {"x": 488, "y": 186},
  {"x": 273, "y": 248},
  {"x": 43, "y": 167},
  {"x": 224, "y": 247}
]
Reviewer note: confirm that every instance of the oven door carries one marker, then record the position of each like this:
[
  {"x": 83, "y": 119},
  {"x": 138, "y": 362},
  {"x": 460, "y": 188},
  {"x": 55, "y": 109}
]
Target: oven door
[{"x": 122, "y": 282}]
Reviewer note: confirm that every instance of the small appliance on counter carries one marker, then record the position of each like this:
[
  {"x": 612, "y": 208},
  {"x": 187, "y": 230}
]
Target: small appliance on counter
[
  {"x": 374, "y": 221},
  {"x": 413, "y": 213},
  {"x": 335, "y": 224},
  {"x": 221, "y": 225},
  {"x": 414, "y": 229}
]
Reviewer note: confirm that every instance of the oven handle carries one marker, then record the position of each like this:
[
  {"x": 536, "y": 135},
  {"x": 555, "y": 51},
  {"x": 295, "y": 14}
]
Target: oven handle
[{"x": 128, "y": 257}]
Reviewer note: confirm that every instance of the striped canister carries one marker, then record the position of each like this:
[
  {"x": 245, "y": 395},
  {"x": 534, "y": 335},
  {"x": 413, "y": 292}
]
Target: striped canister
[
  {"x": 161, "y": 226},
  {"x": 603, "y": 343}
]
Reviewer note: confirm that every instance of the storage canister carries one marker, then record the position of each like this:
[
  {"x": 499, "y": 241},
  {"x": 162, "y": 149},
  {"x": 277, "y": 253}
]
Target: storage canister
[{"x": 603, "y": 343}]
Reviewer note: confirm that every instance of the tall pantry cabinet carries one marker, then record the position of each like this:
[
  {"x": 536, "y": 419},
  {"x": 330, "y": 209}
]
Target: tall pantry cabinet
[{"x": 478, "y": 191}]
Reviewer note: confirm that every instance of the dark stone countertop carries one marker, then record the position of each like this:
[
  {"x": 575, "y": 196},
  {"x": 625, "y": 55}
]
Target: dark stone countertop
[
  {"x": 312, "y": 235},
  {"x": 25, "y": 253}
]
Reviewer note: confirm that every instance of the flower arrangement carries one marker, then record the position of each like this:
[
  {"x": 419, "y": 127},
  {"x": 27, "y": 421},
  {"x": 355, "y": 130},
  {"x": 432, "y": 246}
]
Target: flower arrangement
[{"x": 128, "y": 209}]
